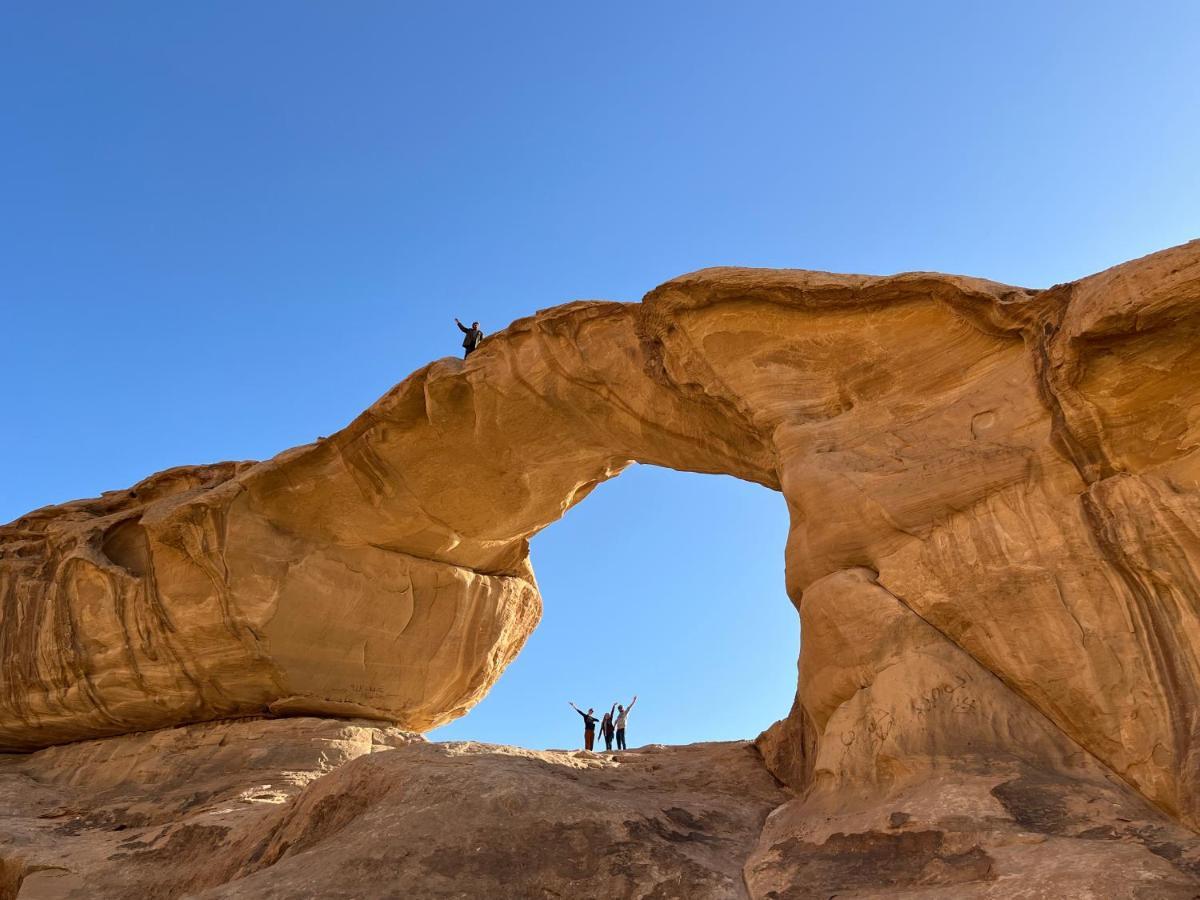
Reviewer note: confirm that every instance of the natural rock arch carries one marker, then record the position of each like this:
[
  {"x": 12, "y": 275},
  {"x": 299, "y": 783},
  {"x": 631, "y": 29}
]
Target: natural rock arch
[{"x": 994, "y": 539}]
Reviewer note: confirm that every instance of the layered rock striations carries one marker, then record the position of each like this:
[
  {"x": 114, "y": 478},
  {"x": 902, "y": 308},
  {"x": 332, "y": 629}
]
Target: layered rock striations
[{"x": 994, "y": 543}]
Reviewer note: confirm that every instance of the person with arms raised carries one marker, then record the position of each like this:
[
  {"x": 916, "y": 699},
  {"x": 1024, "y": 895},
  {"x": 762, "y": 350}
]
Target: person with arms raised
[
  {"x": 607, "y": 728},
  {"x": 474, "y": 336},
  {"x": 589, "y": 725},
  {"x": 622, "y": 716}
]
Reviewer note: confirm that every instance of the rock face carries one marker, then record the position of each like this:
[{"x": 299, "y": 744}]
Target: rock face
[
  {"x": 146, "y": 815},
  {"x": 929, "y": 775},
  {"x": 310, "y": 807},
  {"x": 994, "y": 546},
  {"x": 323, "y": 808}
]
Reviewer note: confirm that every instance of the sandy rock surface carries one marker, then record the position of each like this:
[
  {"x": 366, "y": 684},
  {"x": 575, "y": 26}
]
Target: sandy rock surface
[
  {"x": 317, "y": 808},
  {"x": 144, "y": 815},
  {"x": 994, "y": 547},
  {"x": 305, "y": 808}
]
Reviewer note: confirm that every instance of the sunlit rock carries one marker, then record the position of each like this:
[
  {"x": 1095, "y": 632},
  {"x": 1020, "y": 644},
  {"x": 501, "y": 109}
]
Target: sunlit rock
[{"x": 994, "y": 543}]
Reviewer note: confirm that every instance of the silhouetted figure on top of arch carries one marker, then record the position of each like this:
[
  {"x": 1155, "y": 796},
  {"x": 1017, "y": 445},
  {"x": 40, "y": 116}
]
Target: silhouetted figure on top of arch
[{"x": 474, "y": 336}]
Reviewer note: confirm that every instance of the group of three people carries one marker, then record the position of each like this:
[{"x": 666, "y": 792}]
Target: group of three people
[{"x": 609, "y": 725}]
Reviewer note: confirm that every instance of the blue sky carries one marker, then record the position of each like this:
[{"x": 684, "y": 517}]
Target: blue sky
[{"x": 225, "y": 228}]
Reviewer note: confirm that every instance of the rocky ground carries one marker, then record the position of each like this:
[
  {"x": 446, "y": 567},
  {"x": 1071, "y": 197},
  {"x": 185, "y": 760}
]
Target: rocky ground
[
  {"x": 325, "y": 808},
  {"x": 313, "y": 808}
]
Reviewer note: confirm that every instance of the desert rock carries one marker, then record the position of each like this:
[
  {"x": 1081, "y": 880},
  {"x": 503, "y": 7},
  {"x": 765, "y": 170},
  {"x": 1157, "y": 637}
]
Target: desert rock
[
  {"x": 994, "y": 544},
  {"x": 304, "y": 807},
  {"x": 311, "y": 807}
]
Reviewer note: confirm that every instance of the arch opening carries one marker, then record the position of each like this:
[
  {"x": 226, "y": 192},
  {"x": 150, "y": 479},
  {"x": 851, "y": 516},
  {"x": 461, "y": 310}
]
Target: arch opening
[{"x": 663, "y": 584}]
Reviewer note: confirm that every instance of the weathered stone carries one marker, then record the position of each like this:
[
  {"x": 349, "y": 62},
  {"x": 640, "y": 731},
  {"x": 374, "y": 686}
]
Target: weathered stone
[
  {"x": 151, "y": 815},
  {"x": 994, "y": 543},
  {"x": 299, "y": 807},
  {"x": 931, "y": 777},
  {"x": 312, "y": 808}
]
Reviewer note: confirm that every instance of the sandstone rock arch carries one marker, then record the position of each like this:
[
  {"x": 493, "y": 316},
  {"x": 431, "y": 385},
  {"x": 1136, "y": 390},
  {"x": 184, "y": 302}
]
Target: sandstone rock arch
[{"x": 994, "y": 539}]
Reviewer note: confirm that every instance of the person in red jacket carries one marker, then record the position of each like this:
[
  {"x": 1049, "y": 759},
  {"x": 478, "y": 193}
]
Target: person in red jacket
[{"x": 607, "y": 728}]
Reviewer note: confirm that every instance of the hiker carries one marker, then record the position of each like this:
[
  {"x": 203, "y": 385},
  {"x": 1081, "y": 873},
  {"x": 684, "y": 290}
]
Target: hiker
[
  {"x": 473, "y": 337},
  {"x": 621, "y": 717},
  {"x": 607, "y": 728},
  {"x": 589, "y": 725}
]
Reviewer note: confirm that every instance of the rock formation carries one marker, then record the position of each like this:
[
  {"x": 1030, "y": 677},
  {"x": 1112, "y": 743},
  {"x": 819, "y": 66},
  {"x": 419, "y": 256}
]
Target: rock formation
[
  {"x": 994, "y": 550},
  {"x": 309, "y": 807}
]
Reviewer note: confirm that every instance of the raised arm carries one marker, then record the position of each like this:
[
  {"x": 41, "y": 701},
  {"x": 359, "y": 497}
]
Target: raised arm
[
  {"x": 612, "y": 710},
  {"x": 577, "y": 709},
  {"x": 631, "y": 702},
  {"x": 465, "y": 330}
]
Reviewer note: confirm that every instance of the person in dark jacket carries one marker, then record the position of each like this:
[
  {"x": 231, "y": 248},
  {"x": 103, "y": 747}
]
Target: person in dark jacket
[
  {"x": 589, "y": 725},
  {"x": 607, "y": 728},
  {"x": 473, "y": 337}
]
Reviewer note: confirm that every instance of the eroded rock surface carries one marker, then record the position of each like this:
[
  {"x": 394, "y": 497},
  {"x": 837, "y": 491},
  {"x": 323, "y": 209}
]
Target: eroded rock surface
[
  {"x": 933, "y": 778},
  {"x": 994, "y": 543},
  {"x": 151, "y": 815},
  {"x": 304, "y": 808},
  {"x": 314, "y": 808}
]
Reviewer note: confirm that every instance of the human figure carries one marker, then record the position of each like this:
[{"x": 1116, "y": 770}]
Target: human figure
[
  {"x": 589, "y": 725},
  {"x": 622, "y": 716},
  {"x": 473, "y": 337},
  {"x": 607, "y": 728}
]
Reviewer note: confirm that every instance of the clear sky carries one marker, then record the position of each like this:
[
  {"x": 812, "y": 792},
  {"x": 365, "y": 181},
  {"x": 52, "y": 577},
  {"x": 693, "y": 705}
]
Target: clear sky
[{"x": 227, "y": 227}]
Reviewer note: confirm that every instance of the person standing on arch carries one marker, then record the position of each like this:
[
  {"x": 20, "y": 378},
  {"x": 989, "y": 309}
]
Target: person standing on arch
[
  {"x": 589, "y": 725},
  {"x": 474, "y": 336},
  {"x": 622, "y": 716}
]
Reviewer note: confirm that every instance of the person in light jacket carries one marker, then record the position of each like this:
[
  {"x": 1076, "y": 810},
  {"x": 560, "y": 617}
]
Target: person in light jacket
[{"x": 622, "y": 718}]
